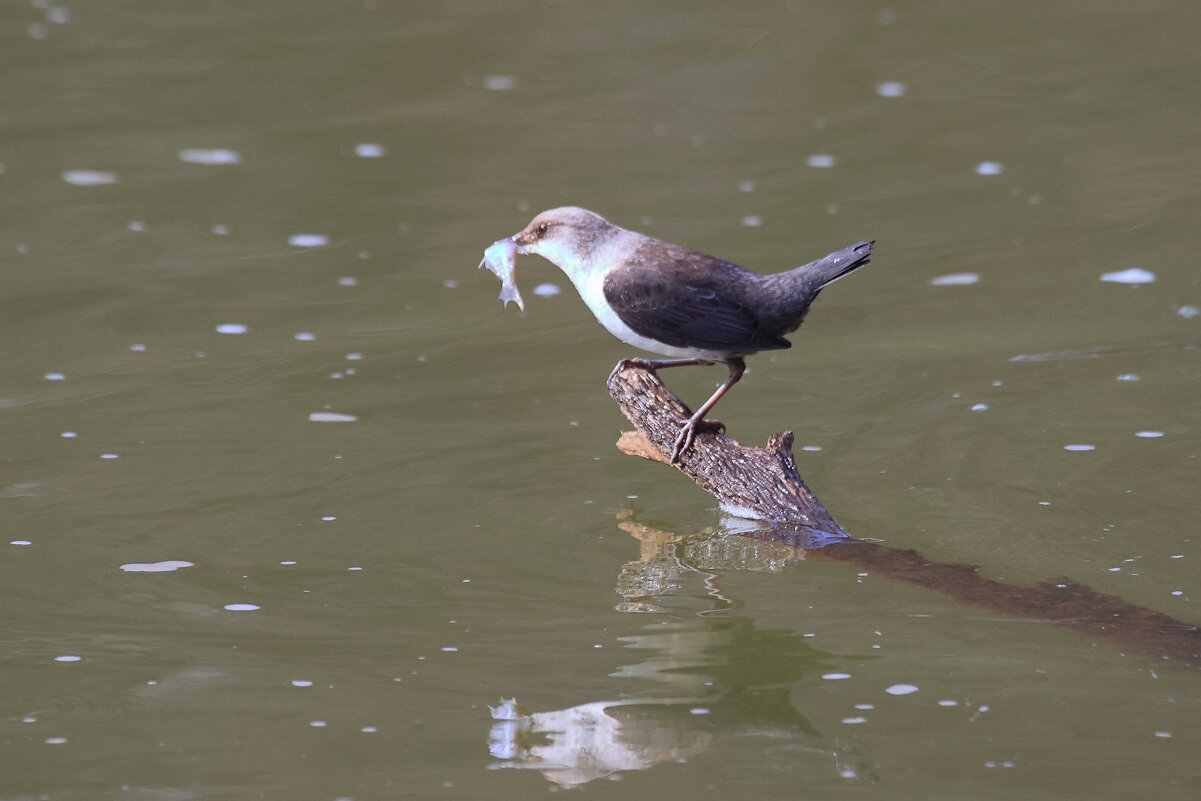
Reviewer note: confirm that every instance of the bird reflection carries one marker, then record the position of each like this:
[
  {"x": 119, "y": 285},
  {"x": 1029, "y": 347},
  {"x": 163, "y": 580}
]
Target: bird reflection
[{"x": 716, "y": 675}]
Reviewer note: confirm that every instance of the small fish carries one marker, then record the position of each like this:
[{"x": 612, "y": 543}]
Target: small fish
[{"x": 501, "y": 259}]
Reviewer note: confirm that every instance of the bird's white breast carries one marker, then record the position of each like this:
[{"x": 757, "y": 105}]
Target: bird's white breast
[{"x": 590, "y": 283}]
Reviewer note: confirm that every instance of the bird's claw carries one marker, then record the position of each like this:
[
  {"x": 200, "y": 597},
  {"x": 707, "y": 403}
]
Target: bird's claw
[
  {"x": 642, "y": 364},
  {"x": 683, "y": 440},
  {"x": 688, "y": 431}
]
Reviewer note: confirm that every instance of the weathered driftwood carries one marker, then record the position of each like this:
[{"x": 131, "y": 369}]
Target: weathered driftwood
[
  {"x": 763, "y": 484},
  {"x": 757, "y": 483}
]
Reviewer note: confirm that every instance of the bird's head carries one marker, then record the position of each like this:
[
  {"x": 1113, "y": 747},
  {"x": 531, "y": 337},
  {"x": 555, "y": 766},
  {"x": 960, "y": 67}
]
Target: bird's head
[{"x": 568, "y": 236}]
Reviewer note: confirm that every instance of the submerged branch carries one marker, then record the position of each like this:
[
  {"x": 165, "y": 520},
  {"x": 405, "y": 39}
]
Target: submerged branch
[{"x": 763, "y": 484}]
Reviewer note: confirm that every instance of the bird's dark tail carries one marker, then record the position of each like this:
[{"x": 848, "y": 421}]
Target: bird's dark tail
[
  {"x": 784, "y": 298},
  {"x": 828, "y": 269}
]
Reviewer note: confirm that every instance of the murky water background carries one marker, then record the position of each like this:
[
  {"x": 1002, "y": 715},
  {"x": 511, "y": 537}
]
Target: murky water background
[{"x": 222, "y": 219}]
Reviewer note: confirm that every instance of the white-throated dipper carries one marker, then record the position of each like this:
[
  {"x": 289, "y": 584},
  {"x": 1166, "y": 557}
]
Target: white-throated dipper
[{"x": 664, "y": 298}]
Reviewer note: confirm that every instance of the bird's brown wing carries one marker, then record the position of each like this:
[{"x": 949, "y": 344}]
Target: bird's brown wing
[{"x": 687, "y": 299}]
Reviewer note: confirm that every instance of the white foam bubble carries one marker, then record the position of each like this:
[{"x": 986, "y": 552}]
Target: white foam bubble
[
  {"x": 166, "y": 566},
  {"x": 499, "y": 83},
  {"x": 901, "y": 689},
  {"x": 210, "y": 156},
  {"x": 1079, "y": 447},
  {"x": 821, "y": 160},
  {"x": 1132, "y": 275},
  {"x": 370, "y": 150},
  {"x": 752, "y": 221},
  {"x": 305, "y": 336},
  {"x": 1188, "y": 311},
  {"x": 308, "y": 240},
  {"x": 89, "y": 177},
  {"x": 332, "y": 417},
  {"x": 956, "y": 279},
  {"x": 55, "y": 377},
  {"x": 990, "y": 168},
  {"x": 548, "y": 290},
  {"x": 1148, "y": 434},
  {"x": 232, "y": 328},
  {"x": 890, "y": 89},
  {"x": 836, "y": 676},
  {"x": 241, "y": 607}
]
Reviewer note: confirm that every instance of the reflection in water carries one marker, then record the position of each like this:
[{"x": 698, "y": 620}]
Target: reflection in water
[
  {"x": 718, "y": 677},
  {"x": 576, "y": 745},
  {"x": 665, "y": 559},
  {"x": 1061, "y": 601}
]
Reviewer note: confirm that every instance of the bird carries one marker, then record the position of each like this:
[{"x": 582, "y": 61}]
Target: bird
[{"x": 671, "y": 300}]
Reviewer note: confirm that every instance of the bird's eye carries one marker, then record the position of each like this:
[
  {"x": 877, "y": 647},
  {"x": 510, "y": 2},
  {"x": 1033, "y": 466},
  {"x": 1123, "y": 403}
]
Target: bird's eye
[{"x": 542, "y": 229}]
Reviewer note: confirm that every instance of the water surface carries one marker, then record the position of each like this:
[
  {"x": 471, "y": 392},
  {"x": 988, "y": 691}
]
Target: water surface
[{"x": 244, "y": 331}]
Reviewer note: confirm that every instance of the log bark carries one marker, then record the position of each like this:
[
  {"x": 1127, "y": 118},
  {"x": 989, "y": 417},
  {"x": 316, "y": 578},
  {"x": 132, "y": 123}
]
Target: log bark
[
  {"x": 763, "y": 484},
  {"x": 755, "y": 483}
]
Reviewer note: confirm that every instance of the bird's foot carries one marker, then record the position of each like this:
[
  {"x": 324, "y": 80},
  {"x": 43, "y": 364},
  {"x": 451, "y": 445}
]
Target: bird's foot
[
  {"x": 643, "y": 364},
  {"x": 688, "y": 430}
]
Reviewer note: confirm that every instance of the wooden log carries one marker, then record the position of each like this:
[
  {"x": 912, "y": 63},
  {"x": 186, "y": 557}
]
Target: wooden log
[{"x": 755, "y": 483}]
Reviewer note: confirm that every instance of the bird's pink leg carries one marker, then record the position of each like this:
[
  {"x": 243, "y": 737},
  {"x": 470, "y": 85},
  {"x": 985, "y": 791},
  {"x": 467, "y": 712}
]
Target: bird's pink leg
[{"x": 689, "y": 430}]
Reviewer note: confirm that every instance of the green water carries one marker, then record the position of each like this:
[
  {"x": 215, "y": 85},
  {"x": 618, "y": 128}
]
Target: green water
[{"x": 469, "y": 535}]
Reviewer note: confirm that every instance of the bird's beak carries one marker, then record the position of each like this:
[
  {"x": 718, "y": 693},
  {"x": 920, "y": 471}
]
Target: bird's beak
[{"x": 521, "y": 246}]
